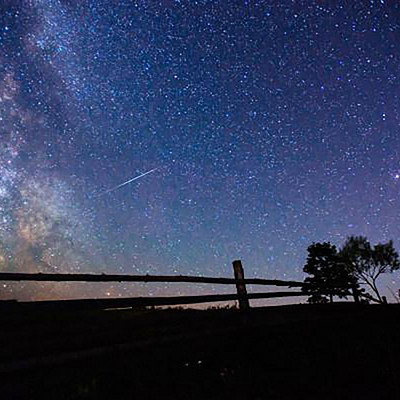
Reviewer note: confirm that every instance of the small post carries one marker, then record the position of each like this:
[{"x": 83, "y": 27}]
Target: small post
[
  {"x": 240, "y": 286},
  {"x": 355, "y": 294}
]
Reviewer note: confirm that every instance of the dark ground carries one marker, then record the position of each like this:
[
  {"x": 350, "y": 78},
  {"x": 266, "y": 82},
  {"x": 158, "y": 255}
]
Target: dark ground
[{"x": 340, "y": 351}]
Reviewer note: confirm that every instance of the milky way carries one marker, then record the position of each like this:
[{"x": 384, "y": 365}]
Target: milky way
[{"x": 273, "y": 124}]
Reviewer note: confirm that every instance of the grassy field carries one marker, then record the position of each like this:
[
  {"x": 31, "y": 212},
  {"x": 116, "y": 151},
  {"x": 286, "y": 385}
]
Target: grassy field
[{"x": 334, "y": 351}]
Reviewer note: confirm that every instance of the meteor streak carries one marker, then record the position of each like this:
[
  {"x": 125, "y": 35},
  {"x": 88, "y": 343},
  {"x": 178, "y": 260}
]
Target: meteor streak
[{"x": 127, "y": 182}]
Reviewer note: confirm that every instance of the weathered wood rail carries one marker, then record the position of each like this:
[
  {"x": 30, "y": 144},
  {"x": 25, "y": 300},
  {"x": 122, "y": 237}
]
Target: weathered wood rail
[
  {"x": 242, "y": 296},
  {"x": 41, "y": 277}
]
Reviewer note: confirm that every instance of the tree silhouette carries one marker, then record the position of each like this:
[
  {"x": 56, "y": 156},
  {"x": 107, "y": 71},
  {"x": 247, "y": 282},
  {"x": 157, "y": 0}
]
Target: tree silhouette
[
  {"x": 330, "y": 277},
  {"x": 366, "y": 263}
]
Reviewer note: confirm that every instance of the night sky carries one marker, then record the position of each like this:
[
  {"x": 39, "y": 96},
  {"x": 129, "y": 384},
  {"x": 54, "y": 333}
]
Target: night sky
[{"x": 268, "y": 124}]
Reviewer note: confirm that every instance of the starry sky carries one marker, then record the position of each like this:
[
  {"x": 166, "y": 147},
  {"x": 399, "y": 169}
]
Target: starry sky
[{"x": 269, "y": 125}]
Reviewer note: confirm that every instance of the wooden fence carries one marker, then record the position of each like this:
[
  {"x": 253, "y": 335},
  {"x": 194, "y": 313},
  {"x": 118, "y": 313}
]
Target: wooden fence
[{"x": 239, "y": 281}]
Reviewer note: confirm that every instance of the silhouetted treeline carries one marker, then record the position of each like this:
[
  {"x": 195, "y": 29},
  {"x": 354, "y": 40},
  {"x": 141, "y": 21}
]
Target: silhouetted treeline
[{"x": 349, "y": 271}]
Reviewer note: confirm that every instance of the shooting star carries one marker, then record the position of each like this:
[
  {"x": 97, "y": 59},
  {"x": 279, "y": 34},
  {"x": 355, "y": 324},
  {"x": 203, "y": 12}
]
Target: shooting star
[{"x": 126, "y": 183}]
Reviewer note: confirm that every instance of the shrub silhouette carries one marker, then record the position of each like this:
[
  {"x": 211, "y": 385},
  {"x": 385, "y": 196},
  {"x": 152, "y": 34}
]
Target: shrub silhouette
[{"x": 329, "y": 275}]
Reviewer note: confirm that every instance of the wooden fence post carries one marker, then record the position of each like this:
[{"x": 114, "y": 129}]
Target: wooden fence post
[
  {"x": 240, "y": 286},
  {"x": 355, "y": 294}
]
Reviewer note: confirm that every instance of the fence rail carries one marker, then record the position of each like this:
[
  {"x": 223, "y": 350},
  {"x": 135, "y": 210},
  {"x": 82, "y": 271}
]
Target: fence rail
[
  {"x": 42, "y": 277},
  {"x": 242, "y": 296},
  {"x": 85, "y": 304}
]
